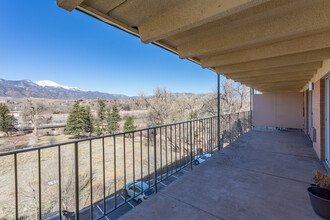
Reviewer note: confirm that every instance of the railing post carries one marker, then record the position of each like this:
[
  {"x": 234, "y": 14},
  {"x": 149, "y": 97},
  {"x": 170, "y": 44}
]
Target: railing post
[
  {"x": 76, "y": 178},
  {"x": 155, "y": 160},
  {"x": 191, "y": 153},
  {"x": 218, "y": 105}
]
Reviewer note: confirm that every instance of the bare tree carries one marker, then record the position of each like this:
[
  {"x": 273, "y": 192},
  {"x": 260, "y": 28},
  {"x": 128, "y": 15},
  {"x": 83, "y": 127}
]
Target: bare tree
[
  {"x": 160, "y": 107},
  {"x": 234, "y": 98},
  {"x": 32, "y": 112}
]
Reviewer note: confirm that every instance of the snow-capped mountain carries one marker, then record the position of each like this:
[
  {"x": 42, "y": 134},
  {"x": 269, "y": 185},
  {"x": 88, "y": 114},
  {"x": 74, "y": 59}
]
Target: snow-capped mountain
[
  {"x": 54, "y": 84},
  {"x": 49, "y": 90}
]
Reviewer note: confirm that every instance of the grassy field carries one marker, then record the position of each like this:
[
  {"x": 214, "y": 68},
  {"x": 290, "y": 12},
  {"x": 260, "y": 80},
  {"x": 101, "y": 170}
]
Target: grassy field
[
  {"x": 135, "y": 159},
  {"x": 121, "y": 163}
]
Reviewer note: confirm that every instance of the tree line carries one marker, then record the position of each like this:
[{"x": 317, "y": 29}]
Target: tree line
[
  {"x": 163, "y": 107},
  {"x": 81, "y": 120}
]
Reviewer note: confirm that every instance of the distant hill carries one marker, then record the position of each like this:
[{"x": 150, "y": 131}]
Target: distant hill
[{"x": 49, "y": 90}]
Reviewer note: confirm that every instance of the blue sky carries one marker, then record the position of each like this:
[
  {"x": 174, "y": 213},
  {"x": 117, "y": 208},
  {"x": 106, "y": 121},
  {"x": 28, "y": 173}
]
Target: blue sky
[{"x": 40, "y": 41}]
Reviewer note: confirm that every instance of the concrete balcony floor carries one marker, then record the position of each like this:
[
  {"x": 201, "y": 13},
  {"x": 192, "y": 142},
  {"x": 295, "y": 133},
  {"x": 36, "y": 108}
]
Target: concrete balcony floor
[{"x": 262, "y": 175}]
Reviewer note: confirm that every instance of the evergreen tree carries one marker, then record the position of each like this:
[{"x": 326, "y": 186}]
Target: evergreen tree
[
  {"x": 79, "y": 121},
  {"x": 89, "y": 127},
  {"x": 129, "y": 124},
  {"x": 98, "y": 127},
  {"x": 99, "y": 122},
  {"x": 101, "y": 109},
  {"x": 6, "y": 120},
  {"x": 113, "y": 120}
]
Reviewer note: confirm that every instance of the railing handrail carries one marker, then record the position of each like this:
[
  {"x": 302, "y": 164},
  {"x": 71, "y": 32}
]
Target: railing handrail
[
  {"x": 186, "y": 142},
  {"x": 105, "y": 136}
]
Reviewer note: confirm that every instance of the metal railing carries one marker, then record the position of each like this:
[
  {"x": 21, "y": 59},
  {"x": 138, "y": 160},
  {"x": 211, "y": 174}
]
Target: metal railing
[{"x": 88, "y": 178}]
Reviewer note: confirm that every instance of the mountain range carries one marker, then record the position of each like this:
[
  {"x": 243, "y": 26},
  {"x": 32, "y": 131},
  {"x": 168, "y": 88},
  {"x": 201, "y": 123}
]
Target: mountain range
[{"x": 49, "y": 90}]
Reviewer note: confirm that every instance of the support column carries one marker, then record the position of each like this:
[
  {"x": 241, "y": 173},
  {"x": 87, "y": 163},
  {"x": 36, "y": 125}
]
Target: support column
[
  {"x": 251, "y": 105},
  {"x": 218, "y": 105}
]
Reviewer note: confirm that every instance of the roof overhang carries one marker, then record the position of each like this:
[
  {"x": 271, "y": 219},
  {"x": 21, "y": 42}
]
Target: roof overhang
[{"x": 270, "y": 45}]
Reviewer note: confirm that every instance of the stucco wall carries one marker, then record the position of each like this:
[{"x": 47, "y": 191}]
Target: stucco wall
[
  {"x": 318, "y": 117},
  {"x": 306, "y": 111},
  {"x": 284, "y": 110}
]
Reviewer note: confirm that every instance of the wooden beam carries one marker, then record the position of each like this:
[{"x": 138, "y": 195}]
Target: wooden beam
[
  {"x": 274, "y": 60},
  {"x": 321, "y": 73},
  {"x": 286, "y": 69},
  {"x": 291, "y": 75},
  {"x": 288, "y": 60},
  {"x": 276, "y": 88},
  {"x": 277, "y": 85},
  {"x": 298, "y": 45},
  {"x": 275, "y": 80},
  {"x": 189, "y": 14},
  {"x": 300, "y": 83},
  {"x": 299, "y": 19},
  {"x": 104, "y": 6},
  {"x": 68, "y": 5},
  {"x": 118, "y": 24},
  {"x": 279, "y": 90}
]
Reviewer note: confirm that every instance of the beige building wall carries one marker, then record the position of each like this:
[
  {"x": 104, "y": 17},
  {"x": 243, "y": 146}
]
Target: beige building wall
[
  {"x": 319, "y": 118},
  {"x": 283, "y": 110}
]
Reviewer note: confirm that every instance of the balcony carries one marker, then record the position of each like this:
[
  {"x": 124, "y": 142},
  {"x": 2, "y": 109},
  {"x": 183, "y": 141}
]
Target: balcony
[
  {"x": 89, "y": 179},
  {"x": 262, "y": 175}
]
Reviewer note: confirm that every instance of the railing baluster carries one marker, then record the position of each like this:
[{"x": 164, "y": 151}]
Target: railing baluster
[
  {"x": 175, "y": 150},
  {"x": 230, "y": 129},
  {"x": 124, "y": 148},
  {"x": 16, "y": 186},
  {"x": 115, "y": 169},
  {"x": 214, "y": 134},
  {"x": 141, "y": 162},
  {"x": 183, "y": 144},
  {"x": 180, "y": 144},
  {"x": 199, "y": 137},
  {"x": 211, "y": 134},
  {"x": 59, "y": 182},
  {"x": 166, "y": 151},
  {"x": 91, "y": 177},
  {"x": 148, "y": 133},
  {"x": 187, "y": 149},
  {"x": 103, "y": 166},
  {"x": 76, "y": 174},
  {"x": 155, "y": 160},
  {"x": 195, "y": 122},
  {"x": 160, "y": 152},
  {"x": 39, "y": 184},
  {"x": 208, "y": 135},
  {"x": 204, "y": 140},
  {"x": 171, "y": 137},
  {"x": 191, "y": 155},
  {"x": 133, "y": 152}
]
